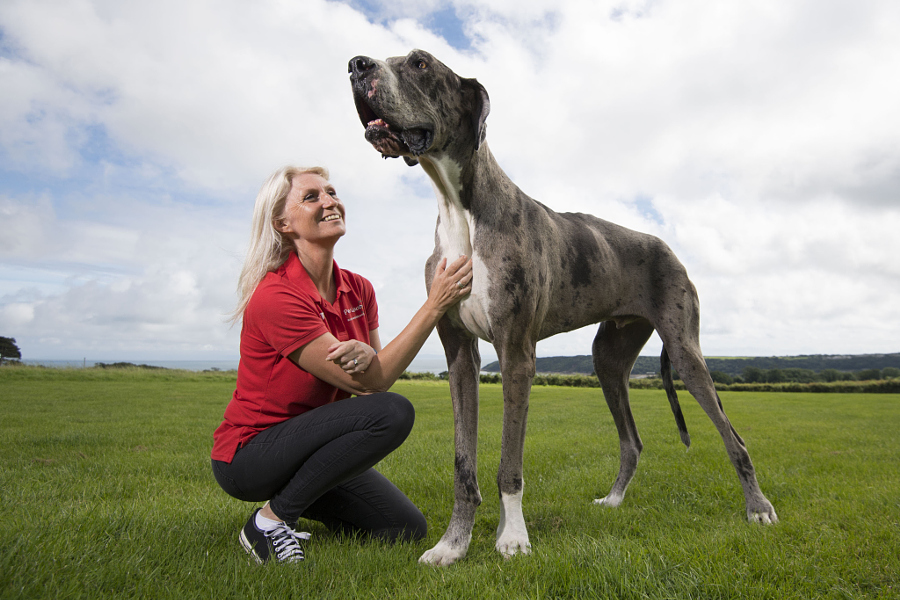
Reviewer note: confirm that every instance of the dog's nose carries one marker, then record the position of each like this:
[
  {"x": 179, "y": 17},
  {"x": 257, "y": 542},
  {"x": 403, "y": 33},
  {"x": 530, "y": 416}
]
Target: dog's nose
[{"x": 360, "y": 66}]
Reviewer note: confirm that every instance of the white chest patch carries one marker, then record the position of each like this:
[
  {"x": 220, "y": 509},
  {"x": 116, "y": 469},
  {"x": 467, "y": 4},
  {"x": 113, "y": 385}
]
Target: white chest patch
[
  {"x": 455, "y": 234},
  {"x": 473, "y": 310}
]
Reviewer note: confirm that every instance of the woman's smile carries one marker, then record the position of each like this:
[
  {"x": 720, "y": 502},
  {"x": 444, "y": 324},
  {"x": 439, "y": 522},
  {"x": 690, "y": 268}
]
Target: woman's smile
[{"x": 312, "y": 201}]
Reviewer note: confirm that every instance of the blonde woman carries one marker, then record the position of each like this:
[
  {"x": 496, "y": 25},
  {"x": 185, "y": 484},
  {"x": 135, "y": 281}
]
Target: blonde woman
[{"x": 310, "y": 414}]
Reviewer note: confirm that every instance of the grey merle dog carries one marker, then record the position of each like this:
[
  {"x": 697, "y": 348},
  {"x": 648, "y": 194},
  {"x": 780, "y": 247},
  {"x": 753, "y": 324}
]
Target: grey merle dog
[{"x": 536, "y": 273}]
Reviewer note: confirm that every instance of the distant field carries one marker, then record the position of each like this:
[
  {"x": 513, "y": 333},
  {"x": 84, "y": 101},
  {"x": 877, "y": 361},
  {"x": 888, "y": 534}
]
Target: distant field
[{"x": 107, "y": 493}]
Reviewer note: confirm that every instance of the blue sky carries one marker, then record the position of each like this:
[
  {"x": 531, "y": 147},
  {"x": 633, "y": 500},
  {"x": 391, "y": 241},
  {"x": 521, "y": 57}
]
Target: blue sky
[{"x": 761, "y": 141}]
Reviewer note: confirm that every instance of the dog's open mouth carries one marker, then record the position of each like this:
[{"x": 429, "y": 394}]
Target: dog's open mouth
[
  {"x": 380, "y": 135},
  {"x": 392, "y": 141}
]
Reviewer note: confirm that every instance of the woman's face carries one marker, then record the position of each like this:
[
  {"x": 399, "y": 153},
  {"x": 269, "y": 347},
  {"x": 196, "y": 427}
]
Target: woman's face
[{"x": 312, "y": 211}]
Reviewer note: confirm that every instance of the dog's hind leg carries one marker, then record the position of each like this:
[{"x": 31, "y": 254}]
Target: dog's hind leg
[
  {"x": 615, "y": 350},
  {"x": 682, "y": 343},
  {"x": 517, "y": 366},
  {"x": 464, "y": 362}
]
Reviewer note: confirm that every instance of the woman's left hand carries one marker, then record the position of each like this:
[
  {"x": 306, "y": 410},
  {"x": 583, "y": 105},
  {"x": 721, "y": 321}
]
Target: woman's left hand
[{"x": 353, "y": 356}]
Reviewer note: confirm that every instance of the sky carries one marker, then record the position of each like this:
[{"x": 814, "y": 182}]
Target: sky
[{"x": 759, "y": 140}]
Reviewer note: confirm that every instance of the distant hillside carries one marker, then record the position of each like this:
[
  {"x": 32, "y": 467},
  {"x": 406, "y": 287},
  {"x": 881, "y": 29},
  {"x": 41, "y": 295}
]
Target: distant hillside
[{"x": 731, "y": 366}]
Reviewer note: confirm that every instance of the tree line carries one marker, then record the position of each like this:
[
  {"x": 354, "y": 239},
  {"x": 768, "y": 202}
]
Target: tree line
[
  {"x": 795, "y": 375},
  {"x": 763, "y": 369}
]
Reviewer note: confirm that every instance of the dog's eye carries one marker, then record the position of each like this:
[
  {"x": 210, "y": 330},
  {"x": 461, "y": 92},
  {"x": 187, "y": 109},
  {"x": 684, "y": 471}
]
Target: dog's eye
[{"x": 421, "y": 64}]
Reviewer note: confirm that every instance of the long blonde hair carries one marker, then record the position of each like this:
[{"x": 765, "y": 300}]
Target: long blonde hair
[{"x": 268, "y": 247}]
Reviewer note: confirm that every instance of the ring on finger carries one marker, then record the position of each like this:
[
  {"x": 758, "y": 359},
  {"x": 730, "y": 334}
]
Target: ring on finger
[{"x": 355, "y": 362}]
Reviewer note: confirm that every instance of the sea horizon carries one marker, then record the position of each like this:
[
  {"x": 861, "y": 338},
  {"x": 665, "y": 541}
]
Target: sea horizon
[{"x": 423, "y": 364}]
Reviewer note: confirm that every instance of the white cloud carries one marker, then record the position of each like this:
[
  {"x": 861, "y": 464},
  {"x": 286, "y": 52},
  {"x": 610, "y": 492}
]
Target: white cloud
[
  {"x": 17, "y": 314},
  {"x": 763, "y": 136}
]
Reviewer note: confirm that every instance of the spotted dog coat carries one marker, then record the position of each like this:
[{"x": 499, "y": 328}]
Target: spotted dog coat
[{"x": 536, "y": 273}]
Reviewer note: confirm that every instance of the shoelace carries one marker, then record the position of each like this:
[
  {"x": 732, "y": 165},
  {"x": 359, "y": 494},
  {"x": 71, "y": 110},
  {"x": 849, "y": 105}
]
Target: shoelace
[{"x": 286, "y": 542}]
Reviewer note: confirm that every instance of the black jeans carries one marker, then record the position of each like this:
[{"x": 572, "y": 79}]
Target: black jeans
[{"x": 318, "y": 466}]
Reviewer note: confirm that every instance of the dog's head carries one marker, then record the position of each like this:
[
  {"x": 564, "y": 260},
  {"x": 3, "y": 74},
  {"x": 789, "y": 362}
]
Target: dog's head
[{"x": 415, "y": 105}]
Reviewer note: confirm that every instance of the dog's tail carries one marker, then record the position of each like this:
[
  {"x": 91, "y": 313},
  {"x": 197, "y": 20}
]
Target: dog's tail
[{"x": 666, "y": 365}]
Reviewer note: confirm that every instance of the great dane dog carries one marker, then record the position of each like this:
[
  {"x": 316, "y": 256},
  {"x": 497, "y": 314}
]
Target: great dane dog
[{"x": 536, "y": 273}]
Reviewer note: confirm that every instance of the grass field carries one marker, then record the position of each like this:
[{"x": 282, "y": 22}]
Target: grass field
[{"x": 106, "y": 492}]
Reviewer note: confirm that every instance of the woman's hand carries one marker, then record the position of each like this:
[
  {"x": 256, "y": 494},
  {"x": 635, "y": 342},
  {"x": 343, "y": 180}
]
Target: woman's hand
[
  {"x": 451, "y": 283},
  {"x": 353, "y": 356},
  {"x": 368, "y": 374}
]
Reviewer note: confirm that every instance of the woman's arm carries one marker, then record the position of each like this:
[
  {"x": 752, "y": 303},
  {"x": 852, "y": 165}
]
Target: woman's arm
[
  {"x": 332, "y": 361},
  {"x": 375, "y": 341}
]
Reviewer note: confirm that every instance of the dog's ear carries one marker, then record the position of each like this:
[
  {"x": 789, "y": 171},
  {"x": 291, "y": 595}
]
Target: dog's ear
[{"x": 480, "y": 107}]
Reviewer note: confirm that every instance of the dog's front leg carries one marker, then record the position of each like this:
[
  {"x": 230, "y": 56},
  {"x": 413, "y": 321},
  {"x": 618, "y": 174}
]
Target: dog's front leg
[
  {"x": 464, "y": 363},
  {"x": 517, "y": 369}
]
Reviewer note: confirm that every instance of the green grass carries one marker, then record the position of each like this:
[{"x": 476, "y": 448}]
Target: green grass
[{"x": 106, "y": 491}]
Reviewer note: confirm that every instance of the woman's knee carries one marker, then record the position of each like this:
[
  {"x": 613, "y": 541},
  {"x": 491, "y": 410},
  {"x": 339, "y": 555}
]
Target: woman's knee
[
  {"x": 408, "y": 527},
  {"x": 398, "y": 411},
  {"x": 409, "y": 533},
  {"x": 416, "y": 528}
]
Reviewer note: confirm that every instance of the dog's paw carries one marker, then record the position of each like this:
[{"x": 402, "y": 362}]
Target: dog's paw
[
  {"x": 511, "y": 545},
  {"x": 760, "y": 510},
  {"x": 612, "y": 501},
  {"x": 764, "y": 516},
  {"x": 442, "y": 554}
]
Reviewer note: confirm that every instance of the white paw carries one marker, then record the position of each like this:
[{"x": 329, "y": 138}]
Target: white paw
[
  {"x": 442, "y": 554},
  {"x": 510, "y": 545},
  {"x": 611, "y": 501},
  {"x": 512, "y": 533},
  {"x": 766, "y": 517}
]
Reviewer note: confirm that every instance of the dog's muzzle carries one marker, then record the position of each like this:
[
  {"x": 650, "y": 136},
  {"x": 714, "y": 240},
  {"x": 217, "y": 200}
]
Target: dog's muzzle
[{"x": 389, "y": 139}]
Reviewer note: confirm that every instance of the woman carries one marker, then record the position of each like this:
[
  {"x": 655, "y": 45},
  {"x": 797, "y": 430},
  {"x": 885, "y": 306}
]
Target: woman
[{"x": 310, "y": 415}]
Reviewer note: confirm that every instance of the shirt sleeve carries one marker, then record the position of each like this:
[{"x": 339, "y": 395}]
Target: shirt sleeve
[
  {"x": 371, "y": 304},
  {"x": 286, "y": 320}
]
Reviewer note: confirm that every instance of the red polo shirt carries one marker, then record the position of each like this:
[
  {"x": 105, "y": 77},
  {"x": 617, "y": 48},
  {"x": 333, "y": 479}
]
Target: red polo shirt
[{"x": 285, "y": 313}]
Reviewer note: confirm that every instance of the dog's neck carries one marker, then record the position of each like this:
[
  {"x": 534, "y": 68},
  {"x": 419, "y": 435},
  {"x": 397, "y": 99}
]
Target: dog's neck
[
  {"x": 465, "y": 193},
  {"x": 455, "y": 232},
  {"x": 461, "y": 184},
  {"x": 445, "y": 174}
]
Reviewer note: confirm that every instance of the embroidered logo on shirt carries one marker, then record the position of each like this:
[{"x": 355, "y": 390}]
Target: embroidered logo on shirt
[{"x": 350, "y": 311}]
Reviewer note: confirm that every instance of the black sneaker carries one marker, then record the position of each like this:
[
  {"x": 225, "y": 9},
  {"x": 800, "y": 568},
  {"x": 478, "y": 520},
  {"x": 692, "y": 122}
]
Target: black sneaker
[{"x": 282, "y": 543}]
